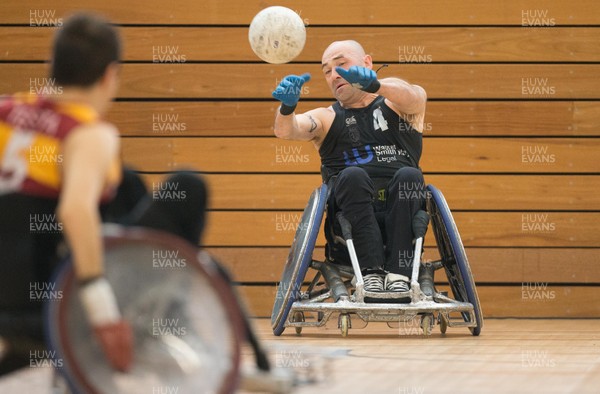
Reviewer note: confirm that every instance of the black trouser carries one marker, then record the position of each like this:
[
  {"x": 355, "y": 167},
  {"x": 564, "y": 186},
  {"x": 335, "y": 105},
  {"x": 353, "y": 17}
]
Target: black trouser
[
  {"x": 376, "y": 223},
  {"x": 31, "y": 246}
]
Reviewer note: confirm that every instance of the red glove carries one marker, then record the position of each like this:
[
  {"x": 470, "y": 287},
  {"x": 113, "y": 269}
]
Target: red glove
[
  {"x": 111, "y": 330},
  {"x": 116, "y": 340}
]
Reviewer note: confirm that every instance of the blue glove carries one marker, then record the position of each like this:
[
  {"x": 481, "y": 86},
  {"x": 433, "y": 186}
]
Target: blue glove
[
  {"x": 288, "y": 92},
  {"x": 360, "y": 77}
]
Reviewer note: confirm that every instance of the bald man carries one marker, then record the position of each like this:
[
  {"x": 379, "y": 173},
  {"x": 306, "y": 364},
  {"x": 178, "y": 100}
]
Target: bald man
[{"x": 370, "y": 143}]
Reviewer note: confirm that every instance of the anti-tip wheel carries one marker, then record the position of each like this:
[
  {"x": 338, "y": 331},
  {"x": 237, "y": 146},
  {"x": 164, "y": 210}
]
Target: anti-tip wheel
[
  {"x": 344, "y": 324},
  {"x": 298, "y": 317},
  {"x": 426, "y": 321},
  {"x": 443, "y": 323}
]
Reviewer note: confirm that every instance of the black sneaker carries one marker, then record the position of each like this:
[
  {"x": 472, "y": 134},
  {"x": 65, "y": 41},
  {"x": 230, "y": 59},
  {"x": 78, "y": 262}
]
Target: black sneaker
[
  {"x": 372, "y": 279},
  {"x": 373, "y": 282},
  {"x": 396, "y": 282}
]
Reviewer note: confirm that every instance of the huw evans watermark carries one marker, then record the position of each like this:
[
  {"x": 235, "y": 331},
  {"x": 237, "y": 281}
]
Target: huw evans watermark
[
  {"x": 45, "y": 154},
  {"x": 290, "y": 154},
  {"x": 285, "y": 221},
  {"x": 165, "y": 390},
  {"x": 294, "y": 289},
  {"x": 536, "y": 291},
  {"x": 168, "y": 191},
  {"x": 537, "y": 18},
  {"x": 44, "y": 291},
  {"x": 162, "y": 258},
  {"x": 537, "y": 87},
  {"x": 44, "y": 223},
  {"x": 413, "y": 191},
  {"x": 537, "y": 359},
  {"x": 413, "y": 54},
  {"x": 167, "y": 123},
  {"x": 537, "y": 154},
  {"x": 44, "y": 359},
  {"x": 44, "y": 86},
  {"x": 168, "y": 326},
  {"x": 291, "y": 359},
  {"x": 44, "y": 17},
  {"x": 411, "y": 390},
  {"x": 537, "y": 223},
  {"x": 167, "y": 54}
]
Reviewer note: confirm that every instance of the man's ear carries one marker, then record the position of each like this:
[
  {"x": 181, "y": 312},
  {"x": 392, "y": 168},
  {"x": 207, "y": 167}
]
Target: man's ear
[
  {"x": 111, "y": 75},
  {"x": 368, "y": 61}
]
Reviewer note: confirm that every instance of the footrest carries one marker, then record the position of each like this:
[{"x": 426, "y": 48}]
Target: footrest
[{"x": 388, "y": 295}]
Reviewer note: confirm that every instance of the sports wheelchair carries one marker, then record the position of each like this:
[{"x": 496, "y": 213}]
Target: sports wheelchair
[
  {"x": 338, "y": 290},
  {"x": 188, "y": 323}
]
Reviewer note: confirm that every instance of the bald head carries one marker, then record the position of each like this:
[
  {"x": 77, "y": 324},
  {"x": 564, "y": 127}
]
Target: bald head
[
  {"x": 344, "y": 54},
  {"x": 347, "y": 48}
]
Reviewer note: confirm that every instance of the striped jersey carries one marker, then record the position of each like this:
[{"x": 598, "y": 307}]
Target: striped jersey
[{"x": 32, "y": 129}]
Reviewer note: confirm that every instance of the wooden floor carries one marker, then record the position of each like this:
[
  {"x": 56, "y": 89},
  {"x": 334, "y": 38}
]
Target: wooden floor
[{"x": 510, "y": 356}]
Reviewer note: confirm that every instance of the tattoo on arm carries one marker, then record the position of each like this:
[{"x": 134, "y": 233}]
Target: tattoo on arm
[{"x": 313, "y": 124}]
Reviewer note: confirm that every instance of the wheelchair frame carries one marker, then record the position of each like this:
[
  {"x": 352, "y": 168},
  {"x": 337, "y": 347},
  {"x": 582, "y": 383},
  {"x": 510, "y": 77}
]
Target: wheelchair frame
[{"x": 292, "y": 303}]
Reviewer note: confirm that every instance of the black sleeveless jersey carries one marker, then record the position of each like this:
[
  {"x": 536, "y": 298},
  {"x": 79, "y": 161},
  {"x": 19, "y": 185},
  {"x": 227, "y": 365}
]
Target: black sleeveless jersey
[{"x": 374, "y": 138}]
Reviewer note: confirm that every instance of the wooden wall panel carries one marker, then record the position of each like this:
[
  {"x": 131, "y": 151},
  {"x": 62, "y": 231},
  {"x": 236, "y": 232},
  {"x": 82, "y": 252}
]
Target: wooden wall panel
[
  {"x": 444, "y": 118},
  {"x": 445, "y": 155},
  {"x": 514, "y": 266},
  {"x": 483, "y": 229},
  {"x": 315, "y": 12},
  {"x": 442, "y": 81},
  {"x": 387, "y": 44},
  {"x": 511, "y": 131},
  {"x": 463, "y": 192}
]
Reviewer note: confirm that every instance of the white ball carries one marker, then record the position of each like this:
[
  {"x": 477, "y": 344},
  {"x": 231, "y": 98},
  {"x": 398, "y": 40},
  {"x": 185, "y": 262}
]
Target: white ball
[{"x": 277, "y": 35}]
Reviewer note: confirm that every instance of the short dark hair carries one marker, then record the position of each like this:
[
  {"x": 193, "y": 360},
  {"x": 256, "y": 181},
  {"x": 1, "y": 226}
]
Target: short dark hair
[{"x": 83, "y": 48}]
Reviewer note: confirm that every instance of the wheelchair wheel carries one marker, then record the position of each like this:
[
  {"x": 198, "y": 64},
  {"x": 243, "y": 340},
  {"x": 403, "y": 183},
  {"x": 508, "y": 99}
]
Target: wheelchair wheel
[
  {"x": 299, "y": 259},
  {"x": 453, "y": 256},
  {"x": 187, "y": 324}
]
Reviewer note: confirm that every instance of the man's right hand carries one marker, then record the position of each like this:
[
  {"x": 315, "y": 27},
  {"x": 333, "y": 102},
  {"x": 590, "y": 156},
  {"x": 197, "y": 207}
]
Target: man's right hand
[
  {"x": 288, "y": 92},
  {"x": 112, "y": 332},
  {"x": 116, "y": 341}
]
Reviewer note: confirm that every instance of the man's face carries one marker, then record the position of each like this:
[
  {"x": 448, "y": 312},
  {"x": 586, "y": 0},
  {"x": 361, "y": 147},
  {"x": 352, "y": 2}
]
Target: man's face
[{"x": 341, "y": 56}]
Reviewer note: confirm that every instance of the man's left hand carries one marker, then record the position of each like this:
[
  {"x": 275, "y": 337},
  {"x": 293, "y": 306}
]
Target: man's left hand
[{"x": 360, "y": 77}]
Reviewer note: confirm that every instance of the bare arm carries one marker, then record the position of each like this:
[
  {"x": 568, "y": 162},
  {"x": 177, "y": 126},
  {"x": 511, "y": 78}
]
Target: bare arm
[
  {"x": 406, "y": 98},
  {"x": 302, "y": 127},
  {"x": 87, "y": 155}
]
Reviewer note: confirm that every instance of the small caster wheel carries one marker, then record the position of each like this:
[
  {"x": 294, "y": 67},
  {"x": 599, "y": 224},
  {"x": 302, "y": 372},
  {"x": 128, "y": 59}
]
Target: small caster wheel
[
  {"x": 426, "y": 321},
  {"x": 298, "y": 317},
  {"x": 344, "y": 324},
  {"x": 443, "y": 323}
]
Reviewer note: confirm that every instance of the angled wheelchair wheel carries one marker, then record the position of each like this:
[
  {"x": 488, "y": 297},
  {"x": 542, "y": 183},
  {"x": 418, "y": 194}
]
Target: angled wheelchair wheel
[
  {"x": 186, "y": 322},
  {"x": 299, "y": 259},
  {"x": 453, "y": 256}
]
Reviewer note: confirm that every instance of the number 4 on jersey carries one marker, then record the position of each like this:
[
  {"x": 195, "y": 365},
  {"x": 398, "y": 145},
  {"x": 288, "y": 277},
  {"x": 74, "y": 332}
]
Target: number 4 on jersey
[{"x": 379, "y": 122}]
